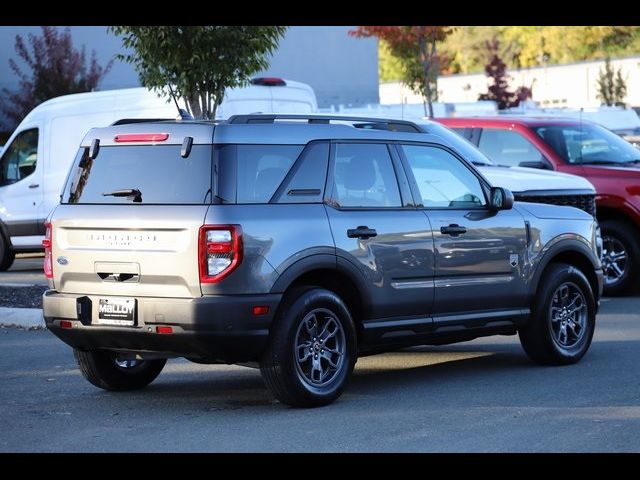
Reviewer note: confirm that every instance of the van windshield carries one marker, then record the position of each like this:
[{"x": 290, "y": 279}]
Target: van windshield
[{"x": 140, "y": 175}]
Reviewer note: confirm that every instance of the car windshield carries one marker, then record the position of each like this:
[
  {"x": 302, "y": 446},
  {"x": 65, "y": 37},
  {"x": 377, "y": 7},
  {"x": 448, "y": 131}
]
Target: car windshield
[
  {"x": 588, "y": 144},
  {"x": 463, "y": 146}
]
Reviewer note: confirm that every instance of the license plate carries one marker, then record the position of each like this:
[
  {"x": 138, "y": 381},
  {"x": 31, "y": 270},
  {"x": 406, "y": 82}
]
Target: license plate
[{"x": 117, "y": 311}]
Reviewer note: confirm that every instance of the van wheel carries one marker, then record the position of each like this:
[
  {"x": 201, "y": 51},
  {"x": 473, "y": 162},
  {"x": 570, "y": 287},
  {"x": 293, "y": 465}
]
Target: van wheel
[
  {"x": 620, "y": 256},
  {"x": 563, "y": 318},
  {"x": 7, "y": 255},
  {"x": 312, "y": 349},
  {"x": 104, "y": 370}
]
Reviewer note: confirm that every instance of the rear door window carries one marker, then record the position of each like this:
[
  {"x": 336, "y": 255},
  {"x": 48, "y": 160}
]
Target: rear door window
[{"x": 151, "y": 175}]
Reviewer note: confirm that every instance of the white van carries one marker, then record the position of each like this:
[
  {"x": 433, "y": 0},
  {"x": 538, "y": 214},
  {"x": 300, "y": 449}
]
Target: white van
[{"x": 37, "y": 156}]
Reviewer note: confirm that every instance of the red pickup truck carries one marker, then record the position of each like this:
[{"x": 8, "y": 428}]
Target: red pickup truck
[{"x": 582, "y": 148}]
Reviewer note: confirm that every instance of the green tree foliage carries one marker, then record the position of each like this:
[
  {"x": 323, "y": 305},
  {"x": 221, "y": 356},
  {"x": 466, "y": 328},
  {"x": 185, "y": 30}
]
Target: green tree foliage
[
  {"x": 530, "y": 46},
  {"x": 52, "y": 67},
  {"x": 417, "y": 49},
  {"x": 612, "y": 88},
  {"x": 200, "y": 62},
  {"x": 390, "y": 68}
]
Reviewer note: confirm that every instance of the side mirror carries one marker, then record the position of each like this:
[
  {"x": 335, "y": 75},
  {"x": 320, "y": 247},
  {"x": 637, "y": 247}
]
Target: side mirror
[
  {"x": 501, "y": 199},
  {"x": 537, "y": 164}
]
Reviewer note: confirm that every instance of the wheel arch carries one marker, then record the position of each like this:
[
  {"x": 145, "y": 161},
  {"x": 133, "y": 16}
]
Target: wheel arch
[
  {"x": 327, "y": 272},
  {"x": 572, "y": 252}
]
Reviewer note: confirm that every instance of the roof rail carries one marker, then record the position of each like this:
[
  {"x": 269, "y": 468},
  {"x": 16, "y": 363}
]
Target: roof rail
[
  {"x": 126, "y": 121},
  {"x": 371, "y": 122}
]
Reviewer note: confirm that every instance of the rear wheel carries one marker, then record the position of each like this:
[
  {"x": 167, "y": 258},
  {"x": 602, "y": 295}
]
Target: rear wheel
[
  {"x": 563, "y": 318},
  {"x": 312, "y": 349},
  {"x": 620, "y": 256},
  {"x": 105, "y": 370},
  {"x": 7, "y": 255}
]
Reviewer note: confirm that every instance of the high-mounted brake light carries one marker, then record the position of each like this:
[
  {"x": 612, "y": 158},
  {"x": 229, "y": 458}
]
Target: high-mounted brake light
[
  {"x": 48, "y": 257},
  {"x": 269, "y": 81},
  {"x": 219, "y": 251},
  {"x": 140, "y": 137}
]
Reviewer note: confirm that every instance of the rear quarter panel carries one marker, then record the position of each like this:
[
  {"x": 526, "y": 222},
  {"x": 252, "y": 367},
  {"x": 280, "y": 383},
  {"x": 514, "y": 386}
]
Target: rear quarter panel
[{"x": 274, "y": 236}]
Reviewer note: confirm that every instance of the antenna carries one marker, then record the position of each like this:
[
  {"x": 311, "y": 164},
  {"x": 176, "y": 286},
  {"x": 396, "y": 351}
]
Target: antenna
[{"x": 184, "y": 115}]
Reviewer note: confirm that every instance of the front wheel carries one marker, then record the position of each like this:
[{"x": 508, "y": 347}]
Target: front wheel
[
  {"x": 563, "y": 318},
  {"x": 7, "y": 255},
  {"x": 105, "y": 370},
  {"x": 620, "y": 256},
  {"x": 312, "y": 349}
]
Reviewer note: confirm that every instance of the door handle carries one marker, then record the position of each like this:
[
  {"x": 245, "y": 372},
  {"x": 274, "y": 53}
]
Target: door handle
[
  {"x": 362, "y": 231},
  {"x": 454, "y": 230},
  {"x": 34, "y": 185}
]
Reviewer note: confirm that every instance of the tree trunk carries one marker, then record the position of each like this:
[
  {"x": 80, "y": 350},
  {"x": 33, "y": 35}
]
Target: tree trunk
[
  {"x": 424, "y": 59},
  {"x": 194, "y": 104}
]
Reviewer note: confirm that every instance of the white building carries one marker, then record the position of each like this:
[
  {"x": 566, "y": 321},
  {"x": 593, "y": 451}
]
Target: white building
[{"x": 571, "y": 85}]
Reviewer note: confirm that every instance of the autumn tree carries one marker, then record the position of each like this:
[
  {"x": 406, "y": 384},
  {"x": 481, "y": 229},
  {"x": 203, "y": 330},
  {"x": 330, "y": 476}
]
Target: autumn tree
[
  {"x": 498, "y": 91},
  {"x": 417, "y": 49},
  {"x": 200, "y": 62},
  {"x": 612, "y": 88},
  {"x": 52, "y": 67}
]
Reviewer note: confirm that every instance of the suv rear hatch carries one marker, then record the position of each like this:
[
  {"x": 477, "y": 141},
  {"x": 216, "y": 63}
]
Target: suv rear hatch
[{"x": 129, "y": 218}]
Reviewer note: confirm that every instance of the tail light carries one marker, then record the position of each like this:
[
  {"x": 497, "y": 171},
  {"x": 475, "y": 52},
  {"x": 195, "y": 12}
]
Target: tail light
[
  {"x": 219, "y": 251},
  {"x": 48, "y": 257}
]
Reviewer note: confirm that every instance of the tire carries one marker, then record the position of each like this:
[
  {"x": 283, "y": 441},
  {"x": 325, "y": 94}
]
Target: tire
[
  {"x": 542, "y": 338},
  {"x": 7, "y": 255},
  {"x": 311, "y": 382},
  {"x": 99, "y": 367},
  {"x": 618, "y": 235}
]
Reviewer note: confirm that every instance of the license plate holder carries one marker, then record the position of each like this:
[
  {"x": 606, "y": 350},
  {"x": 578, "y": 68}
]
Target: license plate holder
[{"x": 119, "y": 311}]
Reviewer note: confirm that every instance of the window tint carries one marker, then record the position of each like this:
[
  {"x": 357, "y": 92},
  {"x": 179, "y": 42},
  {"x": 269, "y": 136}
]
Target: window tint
[
  {"x": 158, "y": 173},
  {"x": 443, "y": 181},
  {"x": 587, "y": 144},
  {"x": 20, "y": 158},
  {"x": 260, "y": 169},
  {"x": 506, "y": 147},
  {"x": 307, "y": 179},
  {"x": 364, "y": 176}
]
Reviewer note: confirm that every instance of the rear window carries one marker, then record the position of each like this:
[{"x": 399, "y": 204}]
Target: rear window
[{"x": 141, "y": 175}]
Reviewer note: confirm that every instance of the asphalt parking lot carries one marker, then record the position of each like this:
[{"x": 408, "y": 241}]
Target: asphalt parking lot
[{"x": 479, "y": 396}]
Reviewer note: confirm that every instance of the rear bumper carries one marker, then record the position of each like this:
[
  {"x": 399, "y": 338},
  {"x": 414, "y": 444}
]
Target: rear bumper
[{"x": 211, "y": 328}]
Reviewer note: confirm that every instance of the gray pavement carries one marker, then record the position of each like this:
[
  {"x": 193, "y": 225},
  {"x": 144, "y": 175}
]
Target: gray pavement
[
  {"x": 478, "y": 396},
  {"x": 26, "y": 270}
]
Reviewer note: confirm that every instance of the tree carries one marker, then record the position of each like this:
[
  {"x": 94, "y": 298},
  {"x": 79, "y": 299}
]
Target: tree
[
  {"x": 200, "y": 62},
  {"x": 499, "y": 92},
  {"x": 53, "y": 67},
  {"x": 611, "y": 87},
  {"x": 416, "y": 48}
]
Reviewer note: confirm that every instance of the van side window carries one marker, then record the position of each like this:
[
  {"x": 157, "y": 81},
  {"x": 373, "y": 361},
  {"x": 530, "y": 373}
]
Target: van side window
[{"x": 19, "y": 158}]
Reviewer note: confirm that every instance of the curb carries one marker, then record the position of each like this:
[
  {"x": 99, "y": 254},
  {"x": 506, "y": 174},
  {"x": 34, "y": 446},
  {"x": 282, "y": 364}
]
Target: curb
[{"x": 29, "y": 318}]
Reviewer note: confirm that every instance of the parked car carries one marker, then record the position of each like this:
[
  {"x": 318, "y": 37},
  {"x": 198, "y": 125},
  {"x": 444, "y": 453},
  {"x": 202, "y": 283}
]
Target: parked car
[
  {"x": 37, "y": 157},
  {"x": 581, "y": 148},
  {"x": 298, "y": 243}
]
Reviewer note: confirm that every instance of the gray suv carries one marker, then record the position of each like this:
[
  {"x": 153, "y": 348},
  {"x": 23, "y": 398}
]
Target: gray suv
[{"x": 298, "y": 243}]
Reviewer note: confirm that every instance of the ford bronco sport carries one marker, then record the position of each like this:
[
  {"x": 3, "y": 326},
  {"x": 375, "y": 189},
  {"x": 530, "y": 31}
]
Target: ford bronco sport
[{"x": 299, "y": 243}]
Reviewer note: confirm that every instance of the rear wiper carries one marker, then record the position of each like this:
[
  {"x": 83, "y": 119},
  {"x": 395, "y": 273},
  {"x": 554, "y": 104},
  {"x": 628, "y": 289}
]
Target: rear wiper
[
  {"x": 601, "y": 162},
  {"x": 126, "y": 192}
]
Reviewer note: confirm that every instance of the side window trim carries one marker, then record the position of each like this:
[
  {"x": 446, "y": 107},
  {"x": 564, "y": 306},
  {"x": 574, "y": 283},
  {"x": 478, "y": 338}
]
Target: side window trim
[
  {"x": 329, "y": 196},
  {"x": 415, "y": 190},
  {"x": 281, "y": 191}
]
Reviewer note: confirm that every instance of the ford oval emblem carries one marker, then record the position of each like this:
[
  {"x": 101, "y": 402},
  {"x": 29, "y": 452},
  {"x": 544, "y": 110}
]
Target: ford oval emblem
[{"x": 63, "y": 260}]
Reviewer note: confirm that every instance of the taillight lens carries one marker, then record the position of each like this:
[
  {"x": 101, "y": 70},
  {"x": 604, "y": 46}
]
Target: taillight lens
[
  {"x": 219, "y": 252},
  {"x": 48, "y": 257}
]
